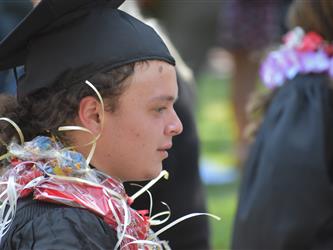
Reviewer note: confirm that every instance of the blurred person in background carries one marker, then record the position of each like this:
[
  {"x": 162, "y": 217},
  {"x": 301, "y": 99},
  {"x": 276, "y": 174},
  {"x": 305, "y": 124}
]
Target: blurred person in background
[
  {"x": 286, "y": 197},
  {"x": 245, "y": 30},
  {"x": 190, "y": 24}
]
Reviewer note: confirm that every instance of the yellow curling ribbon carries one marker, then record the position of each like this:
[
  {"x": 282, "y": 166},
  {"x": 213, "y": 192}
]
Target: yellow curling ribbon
[
  {"x": 17, "y": 128},
  {"x": 92, "y": 142},
  {"x": 79, "y": 128},
  {"x": 163, "y": 173},
  {"x": 19, "y": 132},
  {"x": 3, "y": 143},
  {"x": 4, "y": 156}
]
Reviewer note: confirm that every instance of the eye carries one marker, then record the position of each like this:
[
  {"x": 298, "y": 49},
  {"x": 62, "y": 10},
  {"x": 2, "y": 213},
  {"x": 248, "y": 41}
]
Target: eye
[{"x": 160, "y": 109}]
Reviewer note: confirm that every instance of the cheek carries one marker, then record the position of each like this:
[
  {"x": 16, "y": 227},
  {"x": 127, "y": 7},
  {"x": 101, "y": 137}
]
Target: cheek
[
  {"x": 144, "y": 137},
  {"x": 138, "y": 138},
  {"x": 139, "y": 133}
]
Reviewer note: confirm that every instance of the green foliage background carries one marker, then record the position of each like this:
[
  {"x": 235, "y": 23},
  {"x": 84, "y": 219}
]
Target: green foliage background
[{"x": 217, "y": 131}]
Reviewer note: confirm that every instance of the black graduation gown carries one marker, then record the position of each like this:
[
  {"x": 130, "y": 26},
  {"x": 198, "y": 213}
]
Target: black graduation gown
[
  {"x": 44, "y": 226},
  {"x": 286, "y": 197}
]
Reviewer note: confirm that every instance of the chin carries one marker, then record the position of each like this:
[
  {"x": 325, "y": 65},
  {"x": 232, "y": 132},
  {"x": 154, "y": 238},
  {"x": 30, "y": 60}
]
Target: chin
[{"x": 149, "y": 175}]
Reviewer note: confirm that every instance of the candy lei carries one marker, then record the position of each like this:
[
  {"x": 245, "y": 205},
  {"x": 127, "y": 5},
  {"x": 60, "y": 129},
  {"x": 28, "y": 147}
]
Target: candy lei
[
  {"x": 300, "y": 54},
  {"x": 50, "y": 172}
]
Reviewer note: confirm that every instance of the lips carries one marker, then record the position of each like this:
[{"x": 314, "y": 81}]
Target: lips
[
  {"x": 165, "y": 147},
  {"x": 163, "y": 150}
]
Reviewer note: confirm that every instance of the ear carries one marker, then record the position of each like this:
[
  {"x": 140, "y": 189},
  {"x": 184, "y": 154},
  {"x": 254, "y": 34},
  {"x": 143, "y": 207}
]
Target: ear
[{"x": 90, "y": 113}]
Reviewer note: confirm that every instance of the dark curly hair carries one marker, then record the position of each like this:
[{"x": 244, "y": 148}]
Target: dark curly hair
[{"x": 44, "y": 111}]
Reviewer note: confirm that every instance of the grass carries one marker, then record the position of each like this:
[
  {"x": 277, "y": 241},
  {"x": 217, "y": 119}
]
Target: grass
[
  {"x": 217, "y": 133},
  {"x": 215, "y": 120},
  {"x": 222, "y": 202}
]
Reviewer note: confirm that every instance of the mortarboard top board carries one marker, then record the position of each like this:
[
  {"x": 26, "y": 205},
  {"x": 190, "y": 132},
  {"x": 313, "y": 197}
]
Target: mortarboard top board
[{"x": 60, "y": 35}]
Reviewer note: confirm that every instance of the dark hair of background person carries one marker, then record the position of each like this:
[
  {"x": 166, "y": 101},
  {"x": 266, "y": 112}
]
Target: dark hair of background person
[{"x": 318, "y": 17}]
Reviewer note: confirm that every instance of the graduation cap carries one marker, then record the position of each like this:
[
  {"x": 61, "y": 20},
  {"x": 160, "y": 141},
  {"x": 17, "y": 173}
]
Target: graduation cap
[{"x": 60, "y": 35}]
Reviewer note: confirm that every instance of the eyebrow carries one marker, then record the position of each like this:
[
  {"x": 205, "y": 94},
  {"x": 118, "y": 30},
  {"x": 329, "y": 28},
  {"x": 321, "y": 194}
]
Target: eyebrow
[{"x": 168, "y": 98}]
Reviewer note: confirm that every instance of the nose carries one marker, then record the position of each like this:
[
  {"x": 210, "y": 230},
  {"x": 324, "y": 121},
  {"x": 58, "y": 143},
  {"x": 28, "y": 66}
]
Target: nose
[{"x": 175, "y": 126}]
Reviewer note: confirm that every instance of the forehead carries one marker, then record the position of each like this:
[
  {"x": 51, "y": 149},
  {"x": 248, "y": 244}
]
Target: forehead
[
  {"x": 151, "y": 83},
  {"x": 153, "y": 68},
  {"x": 153, "y": 78}
]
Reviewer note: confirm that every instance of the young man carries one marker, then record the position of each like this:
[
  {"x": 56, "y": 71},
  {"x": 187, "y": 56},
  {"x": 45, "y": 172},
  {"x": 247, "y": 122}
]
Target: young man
[{"x": 127, "y": 110}]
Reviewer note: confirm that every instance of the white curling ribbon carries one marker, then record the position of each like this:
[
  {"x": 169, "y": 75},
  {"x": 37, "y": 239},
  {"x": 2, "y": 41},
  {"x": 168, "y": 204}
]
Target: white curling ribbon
[
  {"x": 146, "y": 243},
  {"x": 154, "y": 235},
  {"x": 118, "y": 224},
  {"x": 150, "y": 197},
  {"x": 155, "y": 222},
  {"x": 27, "y": 162},
  {"x": 34, "y": 182},
  {"x": 163, "y": 173},
  {"x": 121, "y": 235},
  {"x": 8, "y": 207}
]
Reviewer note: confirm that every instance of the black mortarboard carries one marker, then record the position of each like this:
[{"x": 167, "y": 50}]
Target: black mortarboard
[{"x": 59, "y": 35}]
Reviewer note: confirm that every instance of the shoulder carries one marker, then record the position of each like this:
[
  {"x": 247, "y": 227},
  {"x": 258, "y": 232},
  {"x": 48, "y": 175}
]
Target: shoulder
[
  {"x": 40, "y": 225},
  {"x": 306, "y": 84},
  {"x": 304, "y": 92}
]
